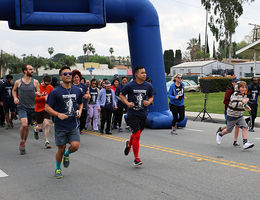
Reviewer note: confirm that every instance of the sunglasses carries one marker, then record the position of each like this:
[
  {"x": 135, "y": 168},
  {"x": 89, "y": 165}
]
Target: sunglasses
[
  {"x": 66, "y": 73},
  {"x": 179, "y": 77},
  {"x": 94, "y": 83}
]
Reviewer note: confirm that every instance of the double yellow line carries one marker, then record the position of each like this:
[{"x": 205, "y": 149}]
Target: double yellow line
[{"x": 198, "y": 157}]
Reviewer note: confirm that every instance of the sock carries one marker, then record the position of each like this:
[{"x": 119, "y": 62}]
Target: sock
[
  {"x": 58, "y": 164},
  {"x": 244, "y": 141},
  {"x": 220, "y": 134},
  {"x": 235, "y": 142},
  {"x": 66, "y": 152},
  {"x": 135, "y": 144}
]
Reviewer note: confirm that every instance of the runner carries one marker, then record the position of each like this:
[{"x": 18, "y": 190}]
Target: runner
[
  {"x": 25, "y": 87},
  {"x": 41, "y": 116},
  {"x": 8, "y": 101},
  {"x": 253, "y": 92},
  {"x": 235, "y": 111},
  {"x": 65, "y": 103},
  {"x": 76, "y": 77},
  {"x": 106, "y": 103},
  {"x": 92, "y": 106},
  {"x": 140, "y": 96}
]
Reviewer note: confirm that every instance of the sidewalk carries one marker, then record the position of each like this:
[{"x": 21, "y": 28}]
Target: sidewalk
[{"x": 217, "y": 118}]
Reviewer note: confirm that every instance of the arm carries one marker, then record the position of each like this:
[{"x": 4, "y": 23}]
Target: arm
[
  {"x": 52, "y": 112},
  {"x": 14, "y": 92},
  {"x": 171, "y": 93},
  {"x": 125, "y": 101},
  {"x": 114, "y": 99},
  {"x": 37, "y": 86},
  {"x": 80, "y": 107}
]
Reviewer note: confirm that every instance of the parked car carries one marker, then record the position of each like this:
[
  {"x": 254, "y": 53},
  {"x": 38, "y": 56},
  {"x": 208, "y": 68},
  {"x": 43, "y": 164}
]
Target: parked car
[{"x": 189, "y": 86}]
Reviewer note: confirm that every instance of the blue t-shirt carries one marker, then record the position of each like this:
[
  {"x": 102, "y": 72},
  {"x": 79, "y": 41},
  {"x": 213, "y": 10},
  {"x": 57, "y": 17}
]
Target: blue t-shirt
[
  {"x": 137, "y": 94},
  {"x": 93, "y": 95},
  {"x": 65, "y": 101},
  {"x": 83, "y": 89},
  {"x": 6, "y": 92},
  {"x": 254, "y": 91},
  {"x": 120, "y": 104}
]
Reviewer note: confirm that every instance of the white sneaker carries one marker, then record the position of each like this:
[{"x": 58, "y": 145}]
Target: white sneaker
[
  {"x": 218, "y": 139},
  {"x": 173, "y": 132},
  {"x": 248, "y": 145}
]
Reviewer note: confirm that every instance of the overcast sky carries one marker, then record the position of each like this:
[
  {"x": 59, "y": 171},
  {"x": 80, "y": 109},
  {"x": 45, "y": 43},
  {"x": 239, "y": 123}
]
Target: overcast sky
[{"x": 180, "y": 20}]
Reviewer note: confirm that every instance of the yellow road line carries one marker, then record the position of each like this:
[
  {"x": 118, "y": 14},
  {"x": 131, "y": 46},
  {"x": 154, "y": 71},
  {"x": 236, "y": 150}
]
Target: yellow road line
[{"x": 197, "y": 156}]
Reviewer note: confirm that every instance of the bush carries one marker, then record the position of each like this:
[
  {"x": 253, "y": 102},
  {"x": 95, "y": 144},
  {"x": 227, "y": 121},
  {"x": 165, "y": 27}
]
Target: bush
[{"x": 218, "y": 84}]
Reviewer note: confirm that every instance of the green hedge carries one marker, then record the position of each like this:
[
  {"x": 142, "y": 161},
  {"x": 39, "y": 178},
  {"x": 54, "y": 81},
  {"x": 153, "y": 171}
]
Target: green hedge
[{"x": 218, "y": 84}]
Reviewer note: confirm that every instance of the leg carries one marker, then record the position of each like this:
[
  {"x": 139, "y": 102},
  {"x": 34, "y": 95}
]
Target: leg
[
  {"x": 95, "y": 118},
  {"x": 236, "y": 133},
  {"x": 108, "y": 120},
  {"x": 103, "y": 118},
  {"x": 83, "y": 118},
  {"x": 24, "y": 129},
  {"x": 60, "y": 152},
  {"x": 175, "y": 115},
  {"x": 181, "y": 112},
  {"x": 46, "y": 123},
  {"x": 90, "y": 115}
]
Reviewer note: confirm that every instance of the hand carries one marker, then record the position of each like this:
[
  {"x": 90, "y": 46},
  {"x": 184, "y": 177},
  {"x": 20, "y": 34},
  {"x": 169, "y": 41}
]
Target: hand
[
  {"x": 185, "y": 97},
  {"x": 44, "y": 94},
  {"x": 177, "y": 97},
  {"x": 78, "y": 113},
  {"x": 130, "y": 104},
  {"x": 99, "y": 109},
  {"x": 116, "y": 107},
  {"x": 16, "y": 101},
  {"x": 146, "y": 103},
  {"x": 38, "y": 94},
  {"x": 1, "y": 103},
  {"x": 62, "y": 116},
  {"x": 249, "y": 109},
  {"x": 85, "y": 96},
  {"x": 244, "y": 101}
]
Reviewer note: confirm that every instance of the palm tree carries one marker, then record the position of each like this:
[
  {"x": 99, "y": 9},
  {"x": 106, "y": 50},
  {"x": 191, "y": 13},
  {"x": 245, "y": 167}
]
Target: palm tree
[
  {"x": 111, "y": 50},
  {"x": 93, "y": 51},
  {"x": 85, "y": 48},
  {"x": 51, "y": 51},
  {"x": 193, "y": 47}
]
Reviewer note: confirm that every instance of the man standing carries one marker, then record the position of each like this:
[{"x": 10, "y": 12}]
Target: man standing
[
  {"x": 7, "y": 100},
  {"x": 41, "y": 116},
  {"x": 253, "y": 92},
  {"x": 25, "y": 88},
  {"x": 65, "y": 103},
  {"x": 140, "y": 96}
]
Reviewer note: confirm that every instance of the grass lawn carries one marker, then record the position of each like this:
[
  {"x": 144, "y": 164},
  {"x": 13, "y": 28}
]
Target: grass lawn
[{"x": 195, "y": 102}]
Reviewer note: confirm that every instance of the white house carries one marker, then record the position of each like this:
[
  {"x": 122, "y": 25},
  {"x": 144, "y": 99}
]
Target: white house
[
  {"x": 246, "y": 69},
  {"x": 201, "y": 68}
]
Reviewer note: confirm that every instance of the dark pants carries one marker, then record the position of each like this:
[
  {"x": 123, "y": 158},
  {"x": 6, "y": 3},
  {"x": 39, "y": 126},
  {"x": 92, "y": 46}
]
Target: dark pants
[
  {"x": 118, "y": 116},
  {"x": 178, "y": 113},
  {"x": 2, "y": 115},
  {"x": 253, "y": 115},
  {"x": 106, "y": 115},
  {"x": 83, "y": 119}
]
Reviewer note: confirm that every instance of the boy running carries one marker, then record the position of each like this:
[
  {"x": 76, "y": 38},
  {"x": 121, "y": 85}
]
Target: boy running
[
  {"x": 235, "y": 111},
  {"x": 140, "y": 96},
  {"x": 65, "y": 103}
]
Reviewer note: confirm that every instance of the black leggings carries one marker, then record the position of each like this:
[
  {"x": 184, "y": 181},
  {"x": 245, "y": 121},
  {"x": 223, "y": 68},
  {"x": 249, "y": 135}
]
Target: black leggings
[
  {"x": 106, "y": 115},
  {"x": 118, "y": 116},
  {"x": 253, "y": 115},
  {"x": 178, "y": 113},
  {"x": 83, "y": 119}
]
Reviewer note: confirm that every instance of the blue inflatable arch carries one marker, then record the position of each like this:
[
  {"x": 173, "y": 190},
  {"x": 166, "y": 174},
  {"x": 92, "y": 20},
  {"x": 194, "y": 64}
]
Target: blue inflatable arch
[{"x": 83, "y": 15}]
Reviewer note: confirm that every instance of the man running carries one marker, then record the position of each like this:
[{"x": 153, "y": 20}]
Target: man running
[
  {"x": 25, "y": 87},
  {"x": 140, "y": 96},
  {"x": 41, "y": 116},
  {"x": 65, "y": 103},
  {"x": 8, "y": 101}
]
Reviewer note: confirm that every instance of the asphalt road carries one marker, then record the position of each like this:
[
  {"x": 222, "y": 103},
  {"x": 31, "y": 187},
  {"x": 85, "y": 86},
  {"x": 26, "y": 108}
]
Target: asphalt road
[{"x": 187, "y": 166}]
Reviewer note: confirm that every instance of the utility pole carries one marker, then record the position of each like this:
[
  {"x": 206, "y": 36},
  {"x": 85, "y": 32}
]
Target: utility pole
[
  {"x": 255, "y": 31},
  {"x": 206, "y": 35}
]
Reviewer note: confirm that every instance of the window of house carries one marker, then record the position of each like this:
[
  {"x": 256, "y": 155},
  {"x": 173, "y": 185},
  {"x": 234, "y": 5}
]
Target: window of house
[
  {"x": 189, "y": 70},
  {"x": 251, "y": 69}
]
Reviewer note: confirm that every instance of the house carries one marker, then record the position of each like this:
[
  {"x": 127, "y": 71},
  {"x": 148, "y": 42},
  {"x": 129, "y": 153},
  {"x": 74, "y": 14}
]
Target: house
[
  {"x": 202, "y": 68},
  {"x": 246, "y": 69}
]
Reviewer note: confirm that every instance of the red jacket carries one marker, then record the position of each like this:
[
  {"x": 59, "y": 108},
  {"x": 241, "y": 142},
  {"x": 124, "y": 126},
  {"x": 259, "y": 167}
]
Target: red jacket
[{"x": 228, "y": 94}]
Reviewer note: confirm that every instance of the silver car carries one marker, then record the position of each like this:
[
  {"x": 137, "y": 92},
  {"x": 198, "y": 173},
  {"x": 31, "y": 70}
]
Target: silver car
[{"x": 189, "y": 86}]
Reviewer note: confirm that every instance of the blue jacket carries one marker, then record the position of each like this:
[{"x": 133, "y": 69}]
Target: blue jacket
[
  {"x": 101, "y": 100},
  {"x": 173, "y": 93}
]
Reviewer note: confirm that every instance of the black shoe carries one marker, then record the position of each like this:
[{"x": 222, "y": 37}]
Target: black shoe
[
  {"x": 108, "y": 133},
  {"x": 101, "y": 131},
  {"x": 137, "y": 163},
  {"x": 127, "y": 148},
  {"x": 236, "y": 144},
  {"x": 219, "y": 130},
  {"x": 251, "y": 130}
]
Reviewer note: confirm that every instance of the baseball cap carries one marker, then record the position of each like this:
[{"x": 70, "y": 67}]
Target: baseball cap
[
  {"x": 235, "y": 79},
  {"x": 107, "y": 83}
]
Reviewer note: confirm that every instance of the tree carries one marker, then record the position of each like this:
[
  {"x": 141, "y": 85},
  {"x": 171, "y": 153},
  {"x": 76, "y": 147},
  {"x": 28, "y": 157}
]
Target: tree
[
  {"x": 214, "y": 51},
  {"x": 111, "y": 50},
  {"x": 57, "y": 56},
  {"x": 194, "y": 48},
  {"x": 51, "y": 50},
  {"x": 93, "y": 51},
  {"x": 101, "y": 60},
  {"x": 168, "y": 60},
  {"x": 85, "y": 48},
  {"x": 36, "y": 62},
  {"x": 67, "y": 61},
  {"x": 224, "y": 20},
  {"x": 178, "y": 57},
  {"x": 199, "y": 41}
]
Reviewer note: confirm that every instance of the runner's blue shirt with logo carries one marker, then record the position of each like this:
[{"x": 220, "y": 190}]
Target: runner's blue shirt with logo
[
  {"x": 137, "y": 93},
  {"x": 6, "y": 92},
  {"x": 254, "y": 91},
  {"x": 65, "y": 101}
]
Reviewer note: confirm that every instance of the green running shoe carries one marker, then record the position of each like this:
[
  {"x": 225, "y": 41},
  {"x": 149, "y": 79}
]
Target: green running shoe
[
  {"x": 58, "y": 174},
  {"x": 66, "y": 161}
]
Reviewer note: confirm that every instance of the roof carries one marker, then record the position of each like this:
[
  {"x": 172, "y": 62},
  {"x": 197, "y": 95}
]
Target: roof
[
  {"x": 195, "y": 64},
  {"x": 255, "y": 46}
]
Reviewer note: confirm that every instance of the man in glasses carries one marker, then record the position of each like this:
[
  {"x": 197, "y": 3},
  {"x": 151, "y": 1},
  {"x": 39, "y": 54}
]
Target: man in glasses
[
  {"x": 25, "y": 88},
  {"x": 176, "y": 104},
  {"x": 42, "y": 118},
  {"x": 65, "y": 103}
]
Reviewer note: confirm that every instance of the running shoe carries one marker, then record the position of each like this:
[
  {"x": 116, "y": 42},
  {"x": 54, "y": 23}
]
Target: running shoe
[
  {"x": 218, "y": 138},
  {"x": 22, "y": 148},
  {"x": 236, "y": 144},
  {"x": 101, "y": 131},
  {"x": 66, "y": 161},
  {"x": 35, "y": 133},
  {"x": 47, "y": 145},
  {"x": 137, "y": 163},
  {"x": 127, "y": 148},
  {"x": 108, "y": 133},
  {"x": 248, "y": 145},
  {"x": 120, "y": 130},
  {"x": 173, "y": 132},
  {"x": 58, "y": 174},
  {"x": 251, "y": 130},
  {"x": 219, "y": 130}
]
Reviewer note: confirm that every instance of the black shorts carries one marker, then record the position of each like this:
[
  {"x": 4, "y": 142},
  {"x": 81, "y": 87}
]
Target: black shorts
[
  {"x": 136, "y": 123},
  {"x": 9, "y": 106},
  {"x": 40, "y": 116}
]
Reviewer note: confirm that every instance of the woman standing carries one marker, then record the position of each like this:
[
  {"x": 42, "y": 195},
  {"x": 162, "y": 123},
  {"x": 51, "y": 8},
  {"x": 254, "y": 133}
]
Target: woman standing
[{"x": 177, "y": 96}]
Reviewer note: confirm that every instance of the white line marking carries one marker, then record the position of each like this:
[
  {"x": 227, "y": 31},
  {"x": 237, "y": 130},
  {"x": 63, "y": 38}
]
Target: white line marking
[
  {"x": 2, "y": 174},
  {"x": 193, "y": 130},
  {"x": 256, "y": 138}
]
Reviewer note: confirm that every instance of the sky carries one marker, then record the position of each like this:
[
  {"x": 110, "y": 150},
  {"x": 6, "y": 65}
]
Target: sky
[{"x": 180, "y": 20}]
